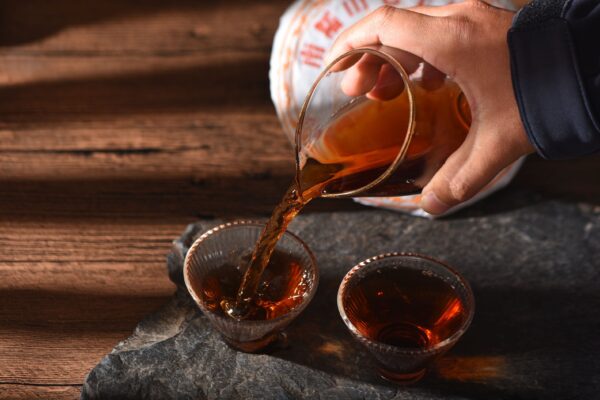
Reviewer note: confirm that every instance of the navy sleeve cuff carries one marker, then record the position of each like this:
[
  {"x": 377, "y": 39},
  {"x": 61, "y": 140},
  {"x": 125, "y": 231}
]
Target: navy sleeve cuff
[{"x": 547, "y": 82}]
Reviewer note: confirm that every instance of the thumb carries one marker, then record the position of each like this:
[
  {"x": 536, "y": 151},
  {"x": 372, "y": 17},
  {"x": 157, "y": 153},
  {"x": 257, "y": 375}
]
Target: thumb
[{"x": 476, "y": 162}]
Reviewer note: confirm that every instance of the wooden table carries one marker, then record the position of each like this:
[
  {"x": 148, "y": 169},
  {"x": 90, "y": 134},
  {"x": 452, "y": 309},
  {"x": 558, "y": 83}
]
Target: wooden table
[{"x": 121, "y": 122}]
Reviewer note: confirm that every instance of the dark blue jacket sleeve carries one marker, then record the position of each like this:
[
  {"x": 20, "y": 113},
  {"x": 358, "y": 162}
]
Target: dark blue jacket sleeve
[{"x": 555, "y": 61}]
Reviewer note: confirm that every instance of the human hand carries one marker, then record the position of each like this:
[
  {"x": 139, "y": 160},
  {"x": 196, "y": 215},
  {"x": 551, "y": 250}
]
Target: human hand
[{"x": 467, "y": 42}]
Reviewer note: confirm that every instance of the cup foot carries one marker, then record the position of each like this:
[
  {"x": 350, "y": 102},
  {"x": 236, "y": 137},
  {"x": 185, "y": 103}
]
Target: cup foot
[
  {"x": 272, "y": 340},
  {"x": 401, "y": 378}
]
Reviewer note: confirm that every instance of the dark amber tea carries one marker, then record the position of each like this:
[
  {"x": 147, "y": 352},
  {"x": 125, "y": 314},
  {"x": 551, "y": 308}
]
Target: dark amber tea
[
  {"x": 362, "y": 142},
  {"x": 281, "y": 287},
  {"x": 353, "y": 150},
  {"x": 241, "y": 306},
  {"x": 404, "y": 307}
]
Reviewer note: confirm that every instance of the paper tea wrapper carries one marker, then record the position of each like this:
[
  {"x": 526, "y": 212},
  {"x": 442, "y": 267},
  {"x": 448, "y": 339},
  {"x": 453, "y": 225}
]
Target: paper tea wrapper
[{"x": 306, "y": 31}]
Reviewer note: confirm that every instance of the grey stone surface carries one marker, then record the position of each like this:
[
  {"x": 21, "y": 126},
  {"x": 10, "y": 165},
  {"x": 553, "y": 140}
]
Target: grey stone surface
[{"x": 535, "y": 269}]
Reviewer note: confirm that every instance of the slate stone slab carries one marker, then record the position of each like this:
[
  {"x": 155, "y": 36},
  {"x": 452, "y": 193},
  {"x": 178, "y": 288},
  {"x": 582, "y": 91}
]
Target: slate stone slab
[{"x": 534, "y": 266}]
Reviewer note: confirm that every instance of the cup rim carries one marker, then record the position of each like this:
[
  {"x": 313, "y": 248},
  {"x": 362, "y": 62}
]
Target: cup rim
[
  {"x": 390, "y": 348},
  {"x": 237, "y": 224}
]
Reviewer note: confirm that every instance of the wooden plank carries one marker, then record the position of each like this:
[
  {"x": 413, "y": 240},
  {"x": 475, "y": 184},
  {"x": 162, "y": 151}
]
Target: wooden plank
[
  {"x": 221, "y": 86},
  {"x": 161, "y": 164},
  {"x": 45, "y": 392},
  {"x": 217, "y": 132},
  {"x": 93, "y": 240},
  {"x": 150, "y": 27},
  {"x": 66, "y": 40},
  {"x": 70, "y": 289},
  {"x": 51, "y": 355},
  {"x": 178, "y": 199},
  {"x": 26, "y": 69}
]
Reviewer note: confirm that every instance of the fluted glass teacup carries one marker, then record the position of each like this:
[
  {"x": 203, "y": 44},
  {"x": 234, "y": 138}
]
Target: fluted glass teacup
[
  {"x": 407, "y": 310},
  {"x": 231, "y": 244}
]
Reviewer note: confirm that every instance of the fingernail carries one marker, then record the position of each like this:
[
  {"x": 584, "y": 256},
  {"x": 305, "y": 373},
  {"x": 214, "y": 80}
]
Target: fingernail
[{"x": 432, "y": 204}]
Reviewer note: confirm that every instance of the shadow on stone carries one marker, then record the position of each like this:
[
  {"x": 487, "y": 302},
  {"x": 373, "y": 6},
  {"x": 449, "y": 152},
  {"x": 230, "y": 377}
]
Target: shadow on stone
[
  {"x": 525, "y": 343},
  {"x": 522, "y": 344}
]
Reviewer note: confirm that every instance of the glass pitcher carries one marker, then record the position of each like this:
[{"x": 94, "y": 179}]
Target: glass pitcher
[{"x": 378, "y": 121}]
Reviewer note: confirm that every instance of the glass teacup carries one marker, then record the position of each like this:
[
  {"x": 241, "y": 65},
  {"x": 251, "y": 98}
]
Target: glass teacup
[
  {"x": 213, "y": 270},
  {"x": 406, "y": 309}
]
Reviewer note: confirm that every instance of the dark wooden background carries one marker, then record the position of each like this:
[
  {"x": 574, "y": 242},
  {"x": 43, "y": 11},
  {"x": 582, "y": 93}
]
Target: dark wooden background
[{"x": 120, "y": 122}]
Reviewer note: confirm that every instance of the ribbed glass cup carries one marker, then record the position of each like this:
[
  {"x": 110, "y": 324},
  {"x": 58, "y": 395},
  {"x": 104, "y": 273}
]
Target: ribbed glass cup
[
  {"x": 229, "y": 243},
  {"x": 397, "y": 363}
]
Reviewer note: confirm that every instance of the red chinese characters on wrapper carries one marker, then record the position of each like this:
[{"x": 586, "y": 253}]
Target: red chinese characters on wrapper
[{"x": 306, "y": 31}]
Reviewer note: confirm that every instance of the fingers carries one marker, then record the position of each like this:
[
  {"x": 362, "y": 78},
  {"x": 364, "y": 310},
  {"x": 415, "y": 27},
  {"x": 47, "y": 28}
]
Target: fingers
[
  {"x": 378, "y": 82},
  {"x": 409, "y": 61},
  {"x": 432, "y": 78},
  {"x": 375, "y": 76},
  {"x": 389, "y": 84},
  {"x": 476, "y": 162},
  {"x": 416, "y": 33},
  {"x": 362, "y": 76}
]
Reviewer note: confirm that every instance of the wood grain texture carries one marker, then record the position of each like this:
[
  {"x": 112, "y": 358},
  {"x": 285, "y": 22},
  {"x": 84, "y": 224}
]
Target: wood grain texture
[
  {"x": 29, "y": 392},
  {"x": 71, "y": 288},
  {"x": 120, "y": 122}
]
